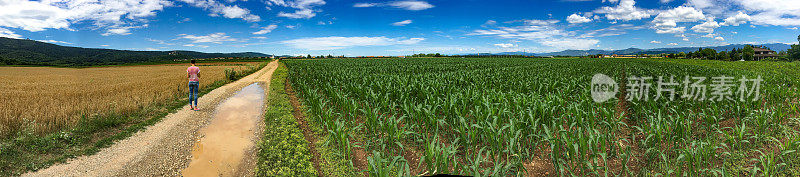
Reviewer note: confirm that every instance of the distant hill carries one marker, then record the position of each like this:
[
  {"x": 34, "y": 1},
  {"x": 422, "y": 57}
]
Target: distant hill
[
  {"x": 30, "y": 52},
  {"x": 634, "y": 51}
]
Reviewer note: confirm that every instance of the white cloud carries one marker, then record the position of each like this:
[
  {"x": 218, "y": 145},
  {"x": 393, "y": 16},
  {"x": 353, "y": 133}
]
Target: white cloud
[
  {"x": 411, "y": 5},
  {"x": 773, "y": 12},
  {"x": 299, "y": 13},
  {"x": 667, "y": 21},
  {"x": 266, "y": 29},
  {"x": 121, "y": 30},
  {"x": 259, "y": 37},
  {"x": 655, "y": 42},
  {"x": 227, "y": 11},
  {"x": 505, "y": 45},
  {"x": 189, "y": 45},
  {"x": 543, "y": 32},
  {"x": 575, "y": 18},
  {"x": 707, "y": 27},
  {"x": 9, "y": 34},
  {"x": 365, "y": 4},
  {"x": 737, "y": 19},
  {"x": 54, "y": 42},
  {"x": 304, "y": 8},
  {"x": 402, "y": 23},
  {"x": 673, "y": 44},
  {"x": 334, "y": 42},
  {"x": 761, "y": 12},
  {"x": 719, "y": 38},
  {"x": 60, "y": 14},
  {"x": 404, "y": 4},
  {"x": 104, "y": 45},
  {"x": 625, "y": 10},
  {"x": 211, "y": 38}
]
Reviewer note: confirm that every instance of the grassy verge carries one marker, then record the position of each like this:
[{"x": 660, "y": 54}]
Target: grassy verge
[
  {"x": 28, "y": 151},
  {"x": 283, "y": 150}
]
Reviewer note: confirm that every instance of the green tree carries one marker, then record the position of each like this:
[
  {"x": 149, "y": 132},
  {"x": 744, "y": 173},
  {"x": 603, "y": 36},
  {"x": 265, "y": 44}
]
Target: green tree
[
  {"x": 748, "y": 52},
  {"x": 309, "y": 56},
  {"x": 794, "y": 53},
  {"x": 724, "y": 56}
]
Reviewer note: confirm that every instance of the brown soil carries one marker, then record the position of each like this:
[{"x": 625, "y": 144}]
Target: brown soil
[
  {"x": 299, "y": 115},
  {"x": 360, "y": 159},
  {"x": 539, "y": 167}
]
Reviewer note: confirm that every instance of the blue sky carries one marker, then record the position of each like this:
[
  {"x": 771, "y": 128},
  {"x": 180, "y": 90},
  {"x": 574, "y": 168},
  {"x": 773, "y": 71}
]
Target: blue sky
[{"x": 369, "y": 27}]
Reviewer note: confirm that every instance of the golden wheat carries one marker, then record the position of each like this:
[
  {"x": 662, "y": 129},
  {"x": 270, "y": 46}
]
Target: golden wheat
[{"x": 45, "y": 99}]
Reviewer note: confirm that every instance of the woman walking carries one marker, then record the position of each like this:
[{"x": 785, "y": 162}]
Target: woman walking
[{"x": 193, "y": 73}]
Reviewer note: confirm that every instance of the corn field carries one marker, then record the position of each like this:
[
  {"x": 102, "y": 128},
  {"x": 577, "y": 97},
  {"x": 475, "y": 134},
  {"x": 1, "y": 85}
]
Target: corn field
[
  {"x": 536, "y": 117},
  {"x": 45, "y": 99}
]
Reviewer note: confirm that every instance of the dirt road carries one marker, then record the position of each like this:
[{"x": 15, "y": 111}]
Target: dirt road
[{"x": 166, "y": 148}]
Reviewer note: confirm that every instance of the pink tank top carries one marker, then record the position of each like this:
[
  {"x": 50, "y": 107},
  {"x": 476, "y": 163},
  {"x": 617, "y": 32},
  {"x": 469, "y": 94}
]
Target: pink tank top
[{"x": 193, "y": 71}]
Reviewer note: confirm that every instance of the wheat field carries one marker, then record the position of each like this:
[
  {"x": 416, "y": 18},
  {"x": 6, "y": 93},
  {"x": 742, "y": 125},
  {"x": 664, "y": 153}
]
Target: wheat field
[{"x": 46, "y": 99}]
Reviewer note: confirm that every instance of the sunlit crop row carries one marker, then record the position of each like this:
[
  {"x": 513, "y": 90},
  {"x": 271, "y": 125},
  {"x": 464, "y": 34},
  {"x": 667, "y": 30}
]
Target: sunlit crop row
[{"x": 533, "y": 117}]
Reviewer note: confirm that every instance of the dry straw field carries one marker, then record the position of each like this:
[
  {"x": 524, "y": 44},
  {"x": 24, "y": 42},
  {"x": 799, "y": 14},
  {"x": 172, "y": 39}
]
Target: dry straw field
[{"x": 45, "y": 99}]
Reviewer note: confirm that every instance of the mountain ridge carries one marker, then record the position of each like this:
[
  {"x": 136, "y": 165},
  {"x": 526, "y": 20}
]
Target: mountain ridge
[{"x": 31, "y": 52}]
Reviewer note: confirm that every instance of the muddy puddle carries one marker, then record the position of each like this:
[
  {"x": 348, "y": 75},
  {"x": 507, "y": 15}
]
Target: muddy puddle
[{"x": 228, "y": 136}]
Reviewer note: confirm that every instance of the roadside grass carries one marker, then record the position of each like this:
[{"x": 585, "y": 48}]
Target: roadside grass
[
  {"x": 283, "y": 150},
  {"x": 28, "y": 151}
]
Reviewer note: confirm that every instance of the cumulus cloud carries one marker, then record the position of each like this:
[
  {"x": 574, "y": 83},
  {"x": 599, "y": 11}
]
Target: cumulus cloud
[
  {"x": 304, "y": 8},
  {"x": 402, "y": 23},
  {"x": 719, "y": 38},
  {"x": 406, "y": 5},
  {"x": 707, "y": 27},
  {"x": 227, "y": 11},
  {"x": 667, "y": 21},
  {"x": 266, "y": 29},
  {"x": 655, "y": 42},
  {"x": 625, "y": 11},
  {"x": 761, "y": 12},
  {"x": 40, "y": 15},
  {"x": 673, "y": 44},
  {"x": 575, "y": 18},
  {"x": 334, "y": 42},
  {"x": 217, "y": 38},
  {"x": 737, "y": 19}
]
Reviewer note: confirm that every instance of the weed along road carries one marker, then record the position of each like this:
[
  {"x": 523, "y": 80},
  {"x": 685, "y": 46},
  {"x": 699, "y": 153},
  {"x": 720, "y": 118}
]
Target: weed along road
[{"x": 218, "y": 140}]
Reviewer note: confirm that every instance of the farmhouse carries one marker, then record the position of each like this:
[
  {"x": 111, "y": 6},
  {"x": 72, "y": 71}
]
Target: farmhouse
[{"x": 761, "y": 54}]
